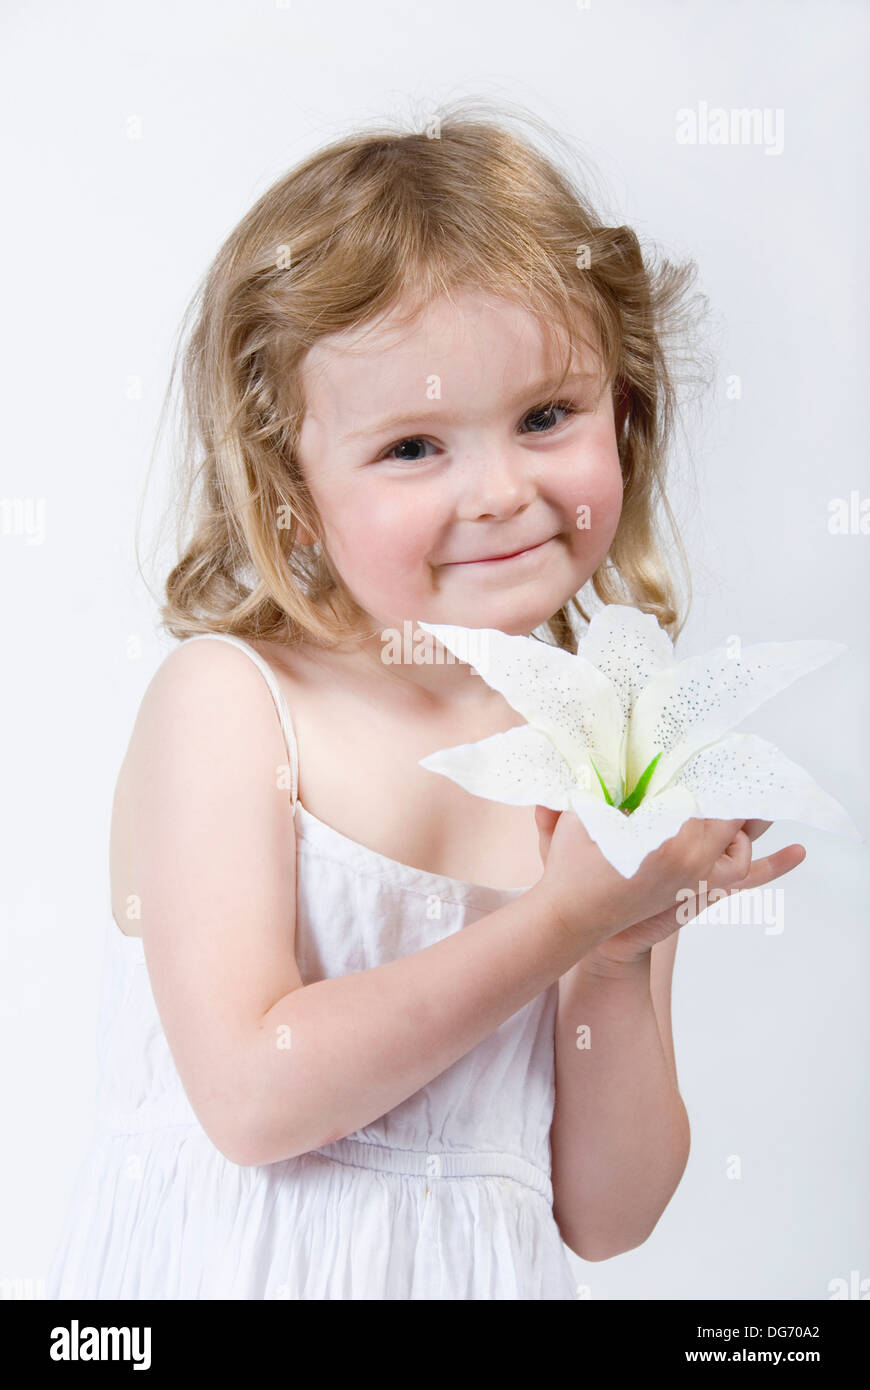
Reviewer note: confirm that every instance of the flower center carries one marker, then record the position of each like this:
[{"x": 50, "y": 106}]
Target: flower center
[{"x": 630, "y": 803}]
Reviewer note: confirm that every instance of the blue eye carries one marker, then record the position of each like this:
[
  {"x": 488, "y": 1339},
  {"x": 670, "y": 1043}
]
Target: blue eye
[
  {"x": 539, "y": 411},
  {"x": 546, "y": 409},
  {"x": 412, "y": 439}
]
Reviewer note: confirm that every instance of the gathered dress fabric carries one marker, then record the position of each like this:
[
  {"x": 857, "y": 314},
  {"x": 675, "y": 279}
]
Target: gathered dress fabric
[{"x": 446, "y": 1196}]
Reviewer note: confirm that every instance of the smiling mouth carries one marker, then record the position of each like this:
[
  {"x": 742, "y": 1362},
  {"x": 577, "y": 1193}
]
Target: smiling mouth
[{"x": 501, "y": 559}]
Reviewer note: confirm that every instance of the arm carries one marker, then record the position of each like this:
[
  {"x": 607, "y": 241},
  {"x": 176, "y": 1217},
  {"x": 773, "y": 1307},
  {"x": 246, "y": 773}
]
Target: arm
[
  {"x": 620, "y": 1133},
  {"x": 363, "y": 1043},
  {"x": 215, "y": 872}
]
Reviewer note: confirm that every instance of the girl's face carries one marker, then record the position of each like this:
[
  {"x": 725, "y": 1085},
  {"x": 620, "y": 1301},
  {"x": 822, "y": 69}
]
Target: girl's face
[{"x": 432, "y": 451}]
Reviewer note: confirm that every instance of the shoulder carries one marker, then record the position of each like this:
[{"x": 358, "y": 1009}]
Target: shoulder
[
  {"x": 192, "y": 661},
  {"x": 195, "y": 671},
  {"x": 205, "y": 696}
]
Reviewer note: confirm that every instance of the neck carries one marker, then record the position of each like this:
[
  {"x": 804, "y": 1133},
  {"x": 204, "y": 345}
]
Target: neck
[{"x": 413, "y": 664}]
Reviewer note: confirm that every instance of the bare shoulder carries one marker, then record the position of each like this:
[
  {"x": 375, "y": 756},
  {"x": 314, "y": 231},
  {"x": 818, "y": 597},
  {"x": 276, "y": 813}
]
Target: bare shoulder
[
  {"x": 189, "y": 672},
  {"x": 199, "y": 691},
  {"x": 207, "y": 739}
]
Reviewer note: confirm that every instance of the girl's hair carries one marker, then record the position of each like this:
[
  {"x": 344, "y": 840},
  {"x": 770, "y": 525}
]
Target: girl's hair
[{"x": 368, "y": 225}]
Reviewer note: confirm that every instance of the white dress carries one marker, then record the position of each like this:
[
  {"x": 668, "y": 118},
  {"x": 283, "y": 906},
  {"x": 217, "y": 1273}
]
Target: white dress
[{"x": 447, "y": 1196}]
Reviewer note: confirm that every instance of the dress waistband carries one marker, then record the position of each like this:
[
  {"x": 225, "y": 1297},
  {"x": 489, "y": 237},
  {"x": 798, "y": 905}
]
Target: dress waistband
[{"x": 414, "y": 1163}]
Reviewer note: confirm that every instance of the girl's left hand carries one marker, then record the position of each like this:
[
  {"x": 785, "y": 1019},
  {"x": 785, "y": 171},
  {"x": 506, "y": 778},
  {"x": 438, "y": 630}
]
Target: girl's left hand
[{"x": 734, "y": 871}]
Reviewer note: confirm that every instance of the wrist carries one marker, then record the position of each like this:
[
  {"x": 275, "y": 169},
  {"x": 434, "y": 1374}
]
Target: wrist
[{"x": 567, "y": 931}]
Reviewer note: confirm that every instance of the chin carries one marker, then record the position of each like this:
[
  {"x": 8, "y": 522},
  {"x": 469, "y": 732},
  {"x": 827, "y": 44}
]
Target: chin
[{"x": 516, "y": 621}]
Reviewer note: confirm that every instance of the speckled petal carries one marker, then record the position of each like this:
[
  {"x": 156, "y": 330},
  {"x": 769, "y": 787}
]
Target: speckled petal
[
  {"x": 560, "y": 693},
  {"x": 744, "y": 775},
  {"x": 697, "y": 701},
  {"x": 520, "y": 767},
  {"x": 625, "y": 841},
  {"x": 629, "y": 647}
]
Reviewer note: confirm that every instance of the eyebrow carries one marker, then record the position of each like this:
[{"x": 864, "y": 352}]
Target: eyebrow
[{"x": 395, "y": 422}]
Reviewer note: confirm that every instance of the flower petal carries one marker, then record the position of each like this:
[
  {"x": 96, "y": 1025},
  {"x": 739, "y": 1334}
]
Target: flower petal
[
  {"x": 696, "y": 701},
  {"x": 561, "y": 694},
  {"x": 629, "y": 647},
  {"x": 625, "y": 841},
  {"x": 520, "y": 767},
  {"x": 744, "y": 775}
]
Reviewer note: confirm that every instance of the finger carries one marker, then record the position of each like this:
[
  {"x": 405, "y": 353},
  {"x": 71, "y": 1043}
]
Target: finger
[
  {"x": 721, "y": 834},
  {"x": 754, "y": 828},
  {"x": 733, "y": 864},
  {"x": 773, "y": 866},
  {"x": 738, "y": 856}
]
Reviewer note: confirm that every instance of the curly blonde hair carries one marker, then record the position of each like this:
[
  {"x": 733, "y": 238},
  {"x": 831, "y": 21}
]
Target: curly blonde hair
[{"x": 371, "y": 222}]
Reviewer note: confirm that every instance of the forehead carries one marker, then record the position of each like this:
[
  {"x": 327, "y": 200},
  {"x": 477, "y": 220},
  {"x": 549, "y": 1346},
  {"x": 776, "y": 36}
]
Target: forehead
[{"x": 469, "y": 340}]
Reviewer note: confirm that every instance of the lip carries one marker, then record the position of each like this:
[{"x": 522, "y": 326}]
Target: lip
[{"x": 513, "y": 555}]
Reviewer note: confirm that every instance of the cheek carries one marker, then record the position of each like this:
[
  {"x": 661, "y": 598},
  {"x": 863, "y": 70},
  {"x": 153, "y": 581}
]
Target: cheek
[
  {"x": 380, "y": 537},
  {"x": 592, "y": 492}
]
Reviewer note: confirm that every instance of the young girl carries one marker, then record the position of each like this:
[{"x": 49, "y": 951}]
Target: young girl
[{"x": 340, "y": 1012}]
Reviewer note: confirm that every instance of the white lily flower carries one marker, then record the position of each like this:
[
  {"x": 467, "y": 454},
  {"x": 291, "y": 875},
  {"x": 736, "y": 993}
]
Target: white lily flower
[{"x": 632, "y": 741}]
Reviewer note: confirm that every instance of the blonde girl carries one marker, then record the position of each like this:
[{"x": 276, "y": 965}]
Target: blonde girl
[{"x": 342, "y": 996}]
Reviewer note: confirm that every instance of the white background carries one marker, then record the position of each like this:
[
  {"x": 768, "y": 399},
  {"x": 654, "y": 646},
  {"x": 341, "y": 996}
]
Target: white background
[{"x": 104, "y": 240}]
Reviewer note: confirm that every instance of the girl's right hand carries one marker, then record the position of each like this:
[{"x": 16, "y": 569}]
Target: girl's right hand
[{"x": 589, "y": 896}]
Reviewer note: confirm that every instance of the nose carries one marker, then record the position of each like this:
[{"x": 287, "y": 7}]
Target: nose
[{"x": 496, "y": 484}]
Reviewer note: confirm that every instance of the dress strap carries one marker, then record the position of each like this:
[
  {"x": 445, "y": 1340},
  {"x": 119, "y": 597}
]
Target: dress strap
[{"x": 278, "y": 697}]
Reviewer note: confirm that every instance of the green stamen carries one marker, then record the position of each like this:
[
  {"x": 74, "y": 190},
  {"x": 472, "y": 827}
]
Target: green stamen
[
  {"x": 632, "y": 802},
  {"x": 608, "y": 798}
]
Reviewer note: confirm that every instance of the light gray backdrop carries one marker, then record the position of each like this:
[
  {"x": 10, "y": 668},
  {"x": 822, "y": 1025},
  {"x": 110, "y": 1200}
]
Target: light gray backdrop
[{"x": 133, "y": 139}]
